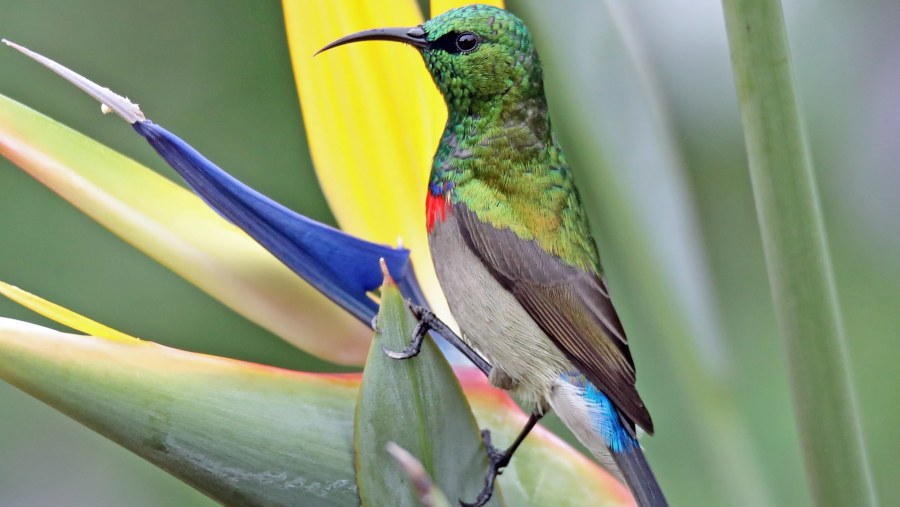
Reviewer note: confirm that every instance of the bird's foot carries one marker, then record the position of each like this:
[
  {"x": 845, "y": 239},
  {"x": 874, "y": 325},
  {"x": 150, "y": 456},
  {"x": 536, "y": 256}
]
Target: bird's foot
[
  {"x": 415, "y": 345},
  {"x": 498, "y": 459},
  {"x": 426, "y": 322}
]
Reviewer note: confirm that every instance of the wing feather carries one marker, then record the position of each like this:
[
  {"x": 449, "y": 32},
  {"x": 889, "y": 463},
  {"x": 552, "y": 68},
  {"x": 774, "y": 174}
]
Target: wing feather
[{"x": 572, "y": 306}]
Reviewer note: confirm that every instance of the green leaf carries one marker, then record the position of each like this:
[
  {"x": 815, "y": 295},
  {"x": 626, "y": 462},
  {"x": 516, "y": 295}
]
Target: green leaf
[
  {"x": 419, "y": 405},
  {"x": 176, "y": 228},
  {"x": 797, "y": 257},
  {"x": 254, "y": 435},
  {"x": 243, "y": 434}
]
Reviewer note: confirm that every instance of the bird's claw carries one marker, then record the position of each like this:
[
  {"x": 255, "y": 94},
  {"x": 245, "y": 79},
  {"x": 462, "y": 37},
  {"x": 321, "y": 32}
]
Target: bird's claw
[
  {"x": 407, "y": 353},
  {"x": 499, "y": 458},
  {"x": 498, "y": 461},
  {"x": 415, "y": 346}
]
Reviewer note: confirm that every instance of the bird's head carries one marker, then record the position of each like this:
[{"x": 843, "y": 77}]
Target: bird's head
[{"x": 478, "y": 55}]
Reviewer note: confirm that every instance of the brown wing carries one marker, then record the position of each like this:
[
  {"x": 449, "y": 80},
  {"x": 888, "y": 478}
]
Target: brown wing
[{"x": 570, "y": 305}]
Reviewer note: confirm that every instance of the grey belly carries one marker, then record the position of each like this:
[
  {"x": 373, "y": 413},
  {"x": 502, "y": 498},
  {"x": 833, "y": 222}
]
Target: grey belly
[{"x": 492, "y": 321}]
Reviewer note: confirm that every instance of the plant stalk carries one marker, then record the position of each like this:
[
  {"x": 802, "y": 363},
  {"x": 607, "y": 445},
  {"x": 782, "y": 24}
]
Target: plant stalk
[{"x": 797, "y": 258}]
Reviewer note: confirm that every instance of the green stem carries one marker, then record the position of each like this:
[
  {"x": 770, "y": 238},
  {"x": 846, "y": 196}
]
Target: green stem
[{"x": 797, "y": 257}]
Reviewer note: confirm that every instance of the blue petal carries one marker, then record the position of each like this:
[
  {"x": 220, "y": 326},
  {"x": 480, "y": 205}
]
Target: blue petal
[{"x": 341, "y": 266}]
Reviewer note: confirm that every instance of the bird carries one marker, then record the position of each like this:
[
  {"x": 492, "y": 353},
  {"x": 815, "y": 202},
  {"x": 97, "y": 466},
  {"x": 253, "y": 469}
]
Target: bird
[{"x": 512, "y": 247}]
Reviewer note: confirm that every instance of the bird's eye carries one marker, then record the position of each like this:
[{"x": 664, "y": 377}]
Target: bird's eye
[
  {"x": 456, "y": 43},
  {"x": 466, "y": 42}
]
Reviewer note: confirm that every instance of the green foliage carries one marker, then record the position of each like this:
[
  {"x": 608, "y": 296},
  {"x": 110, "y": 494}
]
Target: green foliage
[
  {"x": 242, "y": 434},
  {"x": 797, "y": 256},
  {"x": 418, "y": 405}
]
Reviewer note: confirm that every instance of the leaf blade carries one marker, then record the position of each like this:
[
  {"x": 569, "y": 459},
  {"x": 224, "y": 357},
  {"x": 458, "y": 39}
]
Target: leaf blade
[
  {"x": 418, "y": 405},
  {"x": 234, "y": 422},
  {"x": 218, "y": 424}
]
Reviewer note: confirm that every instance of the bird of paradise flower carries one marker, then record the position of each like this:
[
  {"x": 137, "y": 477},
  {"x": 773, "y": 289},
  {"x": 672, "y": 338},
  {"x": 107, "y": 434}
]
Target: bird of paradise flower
[{"x": 222, "y": 425}]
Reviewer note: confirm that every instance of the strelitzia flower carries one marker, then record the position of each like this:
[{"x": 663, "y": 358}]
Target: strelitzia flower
[{"x": 247, "y": 434}]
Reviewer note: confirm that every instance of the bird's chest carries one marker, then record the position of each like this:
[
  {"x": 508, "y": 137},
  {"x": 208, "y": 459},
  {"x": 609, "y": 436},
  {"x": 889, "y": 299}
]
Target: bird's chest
[{"x": 490, "y": 317}]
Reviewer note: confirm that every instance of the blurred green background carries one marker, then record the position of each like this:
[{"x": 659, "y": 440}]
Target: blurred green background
[{"x": 217, "y": 73}]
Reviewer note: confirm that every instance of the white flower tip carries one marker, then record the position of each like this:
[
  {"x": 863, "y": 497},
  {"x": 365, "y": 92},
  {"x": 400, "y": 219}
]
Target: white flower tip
[{"x": 110, "y": 101}]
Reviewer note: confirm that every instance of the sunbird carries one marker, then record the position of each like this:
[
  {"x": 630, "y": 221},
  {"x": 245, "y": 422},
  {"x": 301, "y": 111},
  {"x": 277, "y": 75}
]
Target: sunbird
[{"x": 512, "y": 247}]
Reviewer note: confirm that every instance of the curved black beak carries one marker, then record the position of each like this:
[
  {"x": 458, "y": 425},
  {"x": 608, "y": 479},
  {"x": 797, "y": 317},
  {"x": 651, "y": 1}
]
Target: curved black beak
[{"x": 413, "y": 36}]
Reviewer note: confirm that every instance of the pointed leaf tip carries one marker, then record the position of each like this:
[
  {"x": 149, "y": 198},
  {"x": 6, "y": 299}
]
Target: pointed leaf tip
[{"x": 386, "y": 273}]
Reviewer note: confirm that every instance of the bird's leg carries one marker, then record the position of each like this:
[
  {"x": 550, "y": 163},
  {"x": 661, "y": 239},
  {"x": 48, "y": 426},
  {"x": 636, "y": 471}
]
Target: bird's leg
[
  {"x": 428, "y": 321},
  {"x": 500, "y": 459}
]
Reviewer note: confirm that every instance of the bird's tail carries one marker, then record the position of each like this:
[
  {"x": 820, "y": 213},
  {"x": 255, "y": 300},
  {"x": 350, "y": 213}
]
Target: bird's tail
[
  {"x": 638, "y": 476},
  {"x": 595, "y": 421}
]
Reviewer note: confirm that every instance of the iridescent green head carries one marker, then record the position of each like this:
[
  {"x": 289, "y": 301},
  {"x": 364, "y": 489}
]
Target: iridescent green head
[{"x": 478, "y": 55}]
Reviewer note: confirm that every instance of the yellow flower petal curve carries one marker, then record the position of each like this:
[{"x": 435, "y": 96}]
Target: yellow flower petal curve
[
  {"x": 62, "y": 315},
  {"x": 442, "y": 6},
  {"x": 373, "y": 119}
]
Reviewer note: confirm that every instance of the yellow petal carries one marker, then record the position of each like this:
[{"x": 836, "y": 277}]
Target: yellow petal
[
  {"x": 372, "y": 118},
  {"x": 62, "y": 315}
]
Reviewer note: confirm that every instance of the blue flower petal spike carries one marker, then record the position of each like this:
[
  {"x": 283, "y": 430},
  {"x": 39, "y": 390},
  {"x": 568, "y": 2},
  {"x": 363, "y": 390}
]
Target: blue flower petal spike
[{"x": 343, "y": 267}]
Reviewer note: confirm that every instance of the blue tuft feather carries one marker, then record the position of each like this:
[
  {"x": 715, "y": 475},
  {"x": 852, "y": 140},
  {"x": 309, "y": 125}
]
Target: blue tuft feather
[
  {"x": 341, "y": 266},
  {"x": 603, "y": 413}
]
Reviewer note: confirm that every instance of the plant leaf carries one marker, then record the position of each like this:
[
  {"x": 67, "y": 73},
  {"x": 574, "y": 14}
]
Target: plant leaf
[
  {"x": 243, "y": 434},
  {"x": 253, "y": 435},
  {"x": 180, "y": 231},
  {"x": 418, "y": 405}
]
